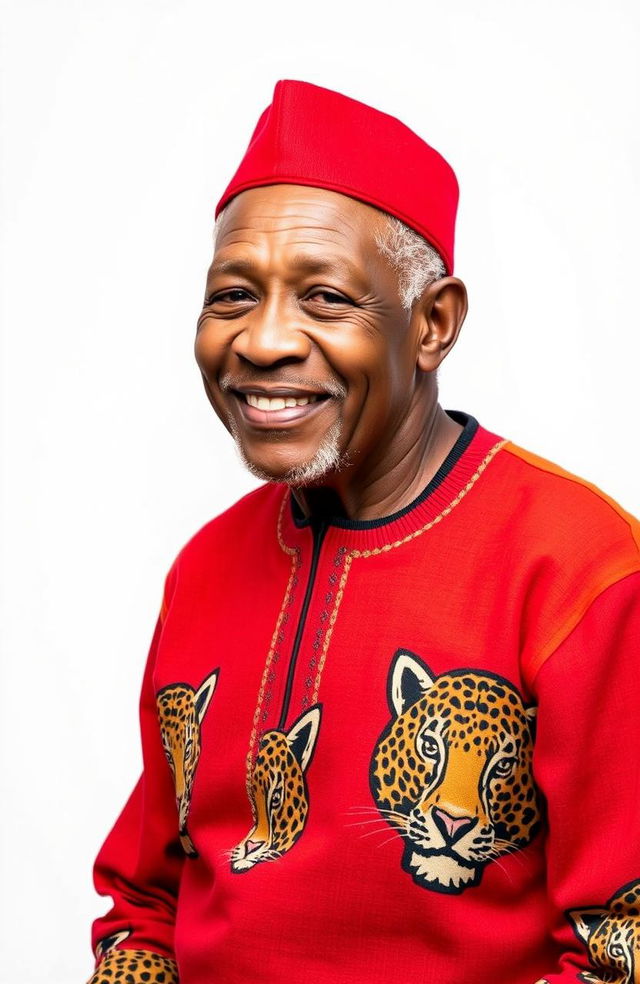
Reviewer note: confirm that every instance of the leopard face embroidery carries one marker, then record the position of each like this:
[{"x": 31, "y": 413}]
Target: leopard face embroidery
[
  {"x": 611, "y": 935},
  {"x": 181, "y": 710},
  {"x": 451, "y": 772},
  {"x": 279, "y": 793}
]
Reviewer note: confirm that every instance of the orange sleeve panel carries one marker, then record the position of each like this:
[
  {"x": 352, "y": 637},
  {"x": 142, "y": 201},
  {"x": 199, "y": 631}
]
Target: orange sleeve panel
[{"x": 583, "y": 540}]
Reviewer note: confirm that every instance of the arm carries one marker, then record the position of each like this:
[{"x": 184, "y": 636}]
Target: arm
[
  {"x": 586, "y": 763},
  {"x": 140, "y": 863}
]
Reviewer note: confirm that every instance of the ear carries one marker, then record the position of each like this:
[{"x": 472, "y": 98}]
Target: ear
[
  {"x": 205, "y": 693},
  {"x": 436, "y": 319},
  {"x": 409, "y": 679},
  {"x": 585, "y": 920},
  {"x": 108, "y": 942},
  {"x": 302, "y": 736}
]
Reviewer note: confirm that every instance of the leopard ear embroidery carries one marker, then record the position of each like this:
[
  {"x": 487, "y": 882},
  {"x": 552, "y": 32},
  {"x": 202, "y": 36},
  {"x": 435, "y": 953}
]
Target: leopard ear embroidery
[
  {"x": 585, "y": 920},
  {"x": 109, "y": 942},
  {"x": 204, "y": 694},
  {"x": 303, "y": 735},
  {"x": 409, "y": 679}
]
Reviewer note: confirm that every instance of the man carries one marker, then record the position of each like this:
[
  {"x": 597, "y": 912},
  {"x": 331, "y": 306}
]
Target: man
[{"x": 389, "y": 713}]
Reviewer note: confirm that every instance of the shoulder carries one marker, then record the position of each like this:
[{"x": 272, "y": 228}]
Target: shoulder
[
  {"x": 573, "y": 541},
  {"x": 564, "y": 509}
]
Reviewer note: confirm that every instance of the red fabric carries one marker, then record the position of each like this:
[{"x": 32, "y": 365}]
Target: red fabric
[
  {"x": 310, "y": 135},
  {"x": 443, "y": 609}
]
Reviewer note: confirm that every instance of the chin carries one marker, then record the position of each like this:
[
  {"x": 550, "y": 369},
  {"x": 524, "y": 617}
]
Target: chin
[
  {"x": 307, "y": 471},
  {"x": 301, "y": 473}
]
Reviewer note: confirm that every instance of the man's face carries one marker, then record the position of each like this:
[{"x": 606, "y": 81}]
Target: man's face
[{"x": 300, "y": 305}]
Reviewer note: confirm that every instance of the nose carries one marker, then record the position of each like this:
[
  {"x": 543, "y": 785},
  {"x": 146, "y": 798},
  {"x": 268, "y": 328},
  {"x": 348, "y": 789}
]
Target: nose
[
  {"x": 270, "y": 335},
  {"x": 451, "y": 828}
]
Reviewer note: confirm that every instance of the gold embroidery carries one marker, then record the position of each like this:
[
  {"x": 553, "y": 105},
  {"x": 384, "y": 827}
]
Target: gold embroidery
[
  {"x": 445, "y": 512},
  {"x": 332, "y": 622},
  {"x": 295, "y": 559}
]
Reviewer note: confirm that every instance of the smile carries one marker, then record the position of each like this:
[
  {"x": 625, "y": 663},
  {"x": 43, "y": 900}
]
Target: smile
[{"x": 264, "y": 411}]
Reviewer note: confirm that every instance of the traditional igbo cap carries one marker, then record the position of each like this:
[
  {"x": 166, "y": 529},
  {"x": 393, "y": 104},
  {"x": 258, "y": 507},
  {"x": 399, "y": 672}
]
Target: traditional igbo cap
[{"x": 314, "y": 136}]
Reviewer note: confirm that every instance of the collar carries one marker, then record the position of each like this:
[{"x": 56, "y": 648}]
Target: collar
[{"x": 462, "y": 467}]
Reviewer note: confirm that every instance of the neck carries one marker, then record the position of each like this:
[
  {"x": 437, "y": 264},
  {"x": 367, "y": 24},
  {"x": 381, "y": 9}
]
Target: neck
[{"x": 407, "y": 465}]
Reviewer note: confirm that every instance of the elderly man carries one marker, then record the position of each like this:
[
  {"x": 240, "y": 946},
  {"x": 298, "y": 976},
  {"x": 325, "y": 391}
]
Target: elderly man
[{"x": 389, "y": 713}]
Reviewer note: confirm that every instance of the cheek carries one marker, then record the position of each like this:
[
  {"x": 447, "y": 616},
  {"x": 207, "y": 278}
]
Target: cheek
[{"x": 210, "y": 343}]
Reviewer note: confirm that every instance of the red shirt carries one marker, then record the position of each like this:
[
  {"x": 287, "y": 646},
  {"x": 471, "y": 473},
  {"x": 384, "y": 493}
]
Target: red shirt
[{"x": 393, "y": 750}]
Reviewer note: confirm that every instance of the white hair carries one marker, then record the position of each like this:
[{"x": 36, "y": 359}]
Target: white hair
[{"x": 416, "y": 262}]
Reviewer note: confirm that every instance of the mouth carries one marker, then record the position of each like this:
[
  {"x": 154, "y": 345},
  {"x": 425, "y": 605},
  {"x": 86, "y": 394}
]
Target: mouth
[{"x": 279, "y": 409}]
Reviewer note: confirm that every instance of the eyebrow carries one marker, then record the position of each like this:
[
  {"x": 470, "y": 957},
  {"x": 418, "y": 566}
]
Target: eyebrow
[{"x": 301, "y": 261}]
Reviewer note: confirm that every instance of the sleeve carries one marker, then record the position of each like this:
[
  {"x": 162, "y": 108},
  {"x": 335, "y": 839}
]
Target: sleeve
[
  {"x": 587, "y": 764},
  {"x": 140, "y": 863}
]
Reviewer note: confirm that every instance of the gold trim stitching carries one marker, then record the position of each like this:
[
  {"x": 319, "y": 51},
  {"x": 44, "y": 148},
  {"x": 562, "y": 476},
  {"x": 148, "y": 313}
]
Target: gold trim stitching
[
  {"x": 445, "y": 512},
  {"x": 332, "y": 622},
  {"x": 293, "y": 553}
]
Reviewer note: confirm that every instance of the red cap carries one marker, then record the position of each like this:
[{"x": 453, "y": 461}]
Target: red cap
[{"x": 314, "y": 136}]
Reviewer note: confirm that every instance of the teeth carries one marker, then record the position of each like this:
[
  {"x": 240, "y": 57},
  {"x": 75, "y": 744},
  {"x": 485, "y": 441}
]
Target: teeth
[{"x": 277, "y": 402}]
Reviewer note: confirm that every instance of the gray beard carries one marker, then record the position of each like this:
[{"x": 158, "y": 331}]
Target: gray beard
[{"x": 327, "y": 458}]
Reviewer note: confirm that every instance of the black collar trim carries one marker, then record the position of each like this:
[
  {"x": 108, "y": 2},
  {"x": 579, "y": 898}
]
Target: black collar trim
[{"x": 470, "y": 425}]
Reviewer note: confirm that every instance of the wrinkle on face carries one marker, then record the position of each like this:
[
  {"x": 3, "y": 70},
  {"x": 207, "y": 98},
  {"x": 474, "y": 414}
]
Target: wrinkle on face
[
  {"x": 364, "y": 344},
  {"x": 330, "y": 221}
]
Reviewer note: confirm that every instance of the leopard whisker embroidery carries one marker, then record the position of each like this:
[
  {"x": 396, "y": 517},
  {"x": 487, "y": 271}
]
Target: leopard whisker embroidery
[
  {"x": 495, "y": 857},
  {"x": 512, "y": 850},
  {"x": 371, "y": 809},
  {"x": 380, "y": 814},
  {"x": 388, "y": 841},
  {"x": 381, "y": 821},
  {"x": 381, "y": 830}
]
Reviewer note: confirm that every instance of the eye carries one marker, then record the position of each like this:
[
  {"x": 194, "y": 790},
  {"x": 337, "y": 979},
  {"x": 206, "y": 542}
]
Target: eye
[
  {"x": 332, "y": 297},
  {"x": 616, "y": 950},
  {"x": 504, "y": 767},
  {"x": 428, "y": 746},
  {"x": 226, "y": 296},
  {"x": 276, "y": 797}
]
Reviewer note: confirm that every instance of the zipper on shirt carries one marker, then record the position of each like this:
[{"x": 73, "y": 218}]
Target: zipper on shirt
[{"x": 319, "y": 529}]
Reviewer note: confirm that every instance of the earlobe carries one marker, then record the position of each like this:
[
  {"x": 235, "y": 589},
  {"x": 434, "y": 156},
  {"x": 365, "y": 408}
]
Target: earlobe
[{"x": 441, "y": 311}]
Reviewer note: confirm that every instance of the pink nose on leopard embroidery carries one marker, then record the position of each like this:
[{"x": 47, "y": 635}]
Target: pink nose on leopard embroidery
[
  {"x": 181, "y": 710},
  {"x": 452, "y": 826}
]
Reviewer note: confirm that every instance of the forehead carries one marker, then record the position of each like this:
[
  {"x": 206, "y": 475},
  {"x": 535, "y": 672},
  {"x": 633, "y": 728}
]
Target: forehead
[{"x": 290, "y": 215}]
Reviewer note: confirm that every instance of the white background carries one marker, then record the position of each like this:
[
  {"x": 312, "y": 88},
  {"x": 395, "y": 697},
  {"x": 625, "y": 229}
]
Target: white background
[{"x": 121, "y": 125}]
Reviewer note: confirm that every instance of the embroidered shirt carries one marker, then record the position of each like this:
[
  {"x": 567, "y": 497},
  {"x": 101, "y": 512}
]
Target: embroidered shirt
[{"x": 402, "y": 749}]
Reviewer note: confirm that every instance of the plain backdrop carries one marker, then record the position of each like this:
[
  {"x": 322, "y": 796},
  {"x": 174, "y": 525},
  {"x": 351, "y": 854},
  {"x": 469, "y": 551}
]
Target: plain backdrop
[{"x": 122, "y": 123}]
